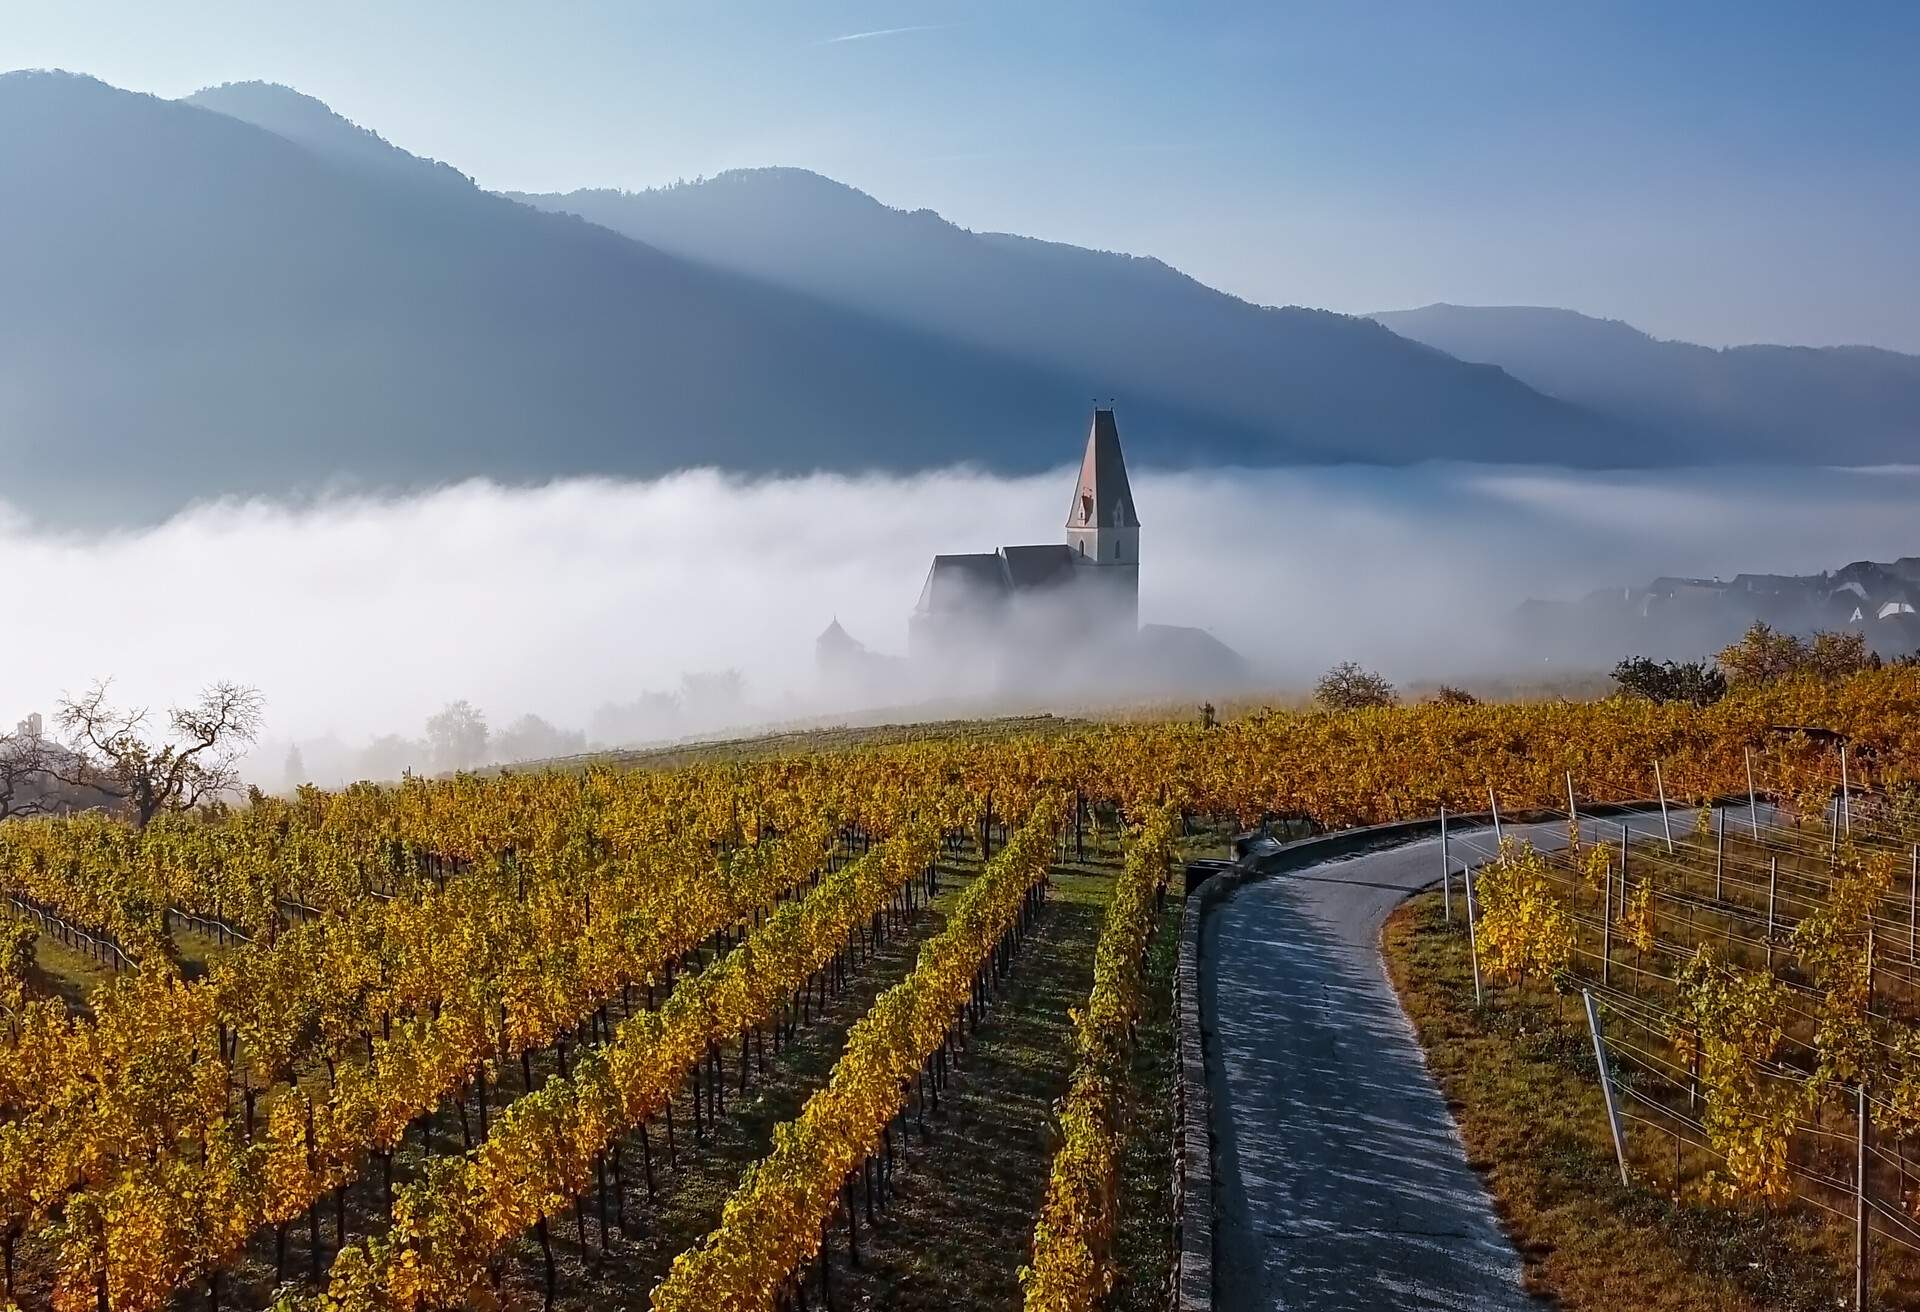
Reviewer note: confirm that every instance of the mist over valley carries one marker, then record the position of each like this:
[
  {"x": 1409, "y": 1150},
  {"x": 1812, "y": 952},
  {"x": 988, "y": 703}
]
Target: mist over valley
[{"x": 608, "y": 608}]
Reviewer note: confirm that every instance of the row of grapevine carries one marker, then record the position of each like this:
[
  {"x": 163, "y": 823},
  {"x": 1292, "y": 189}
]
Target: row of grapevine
[
  {"x": 1762, "y": 1031},
  {"x": 772, "y": 1224},
  {"x": 105, "y": 1106},
  {"x": 327, "y": 849},
  {"x": 520, "y": 983},
  {"x": 141, "y": 1114},
  {"x": 254, "y": 868},
  {"x": 1072, "y": 1268},
  {"x": 552, "y": 1145}
]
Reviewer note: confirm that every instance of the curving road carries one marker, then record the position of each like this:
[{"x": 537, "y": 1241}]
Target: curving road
[{"x": 1342, "y": 1182}]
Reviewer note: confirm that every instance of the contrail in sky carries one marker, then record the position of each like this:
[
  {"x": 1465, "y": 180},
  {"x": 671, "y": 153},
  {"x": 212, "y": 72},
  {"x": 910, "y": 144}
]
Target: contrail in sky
[{"x": 884, "y": 31}]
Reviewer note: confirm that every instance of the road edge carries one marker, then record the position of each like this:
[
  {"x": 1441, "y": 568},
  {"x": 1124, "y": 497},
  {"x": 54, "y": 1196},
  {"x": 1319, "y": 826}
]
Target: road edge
[{"x": 1256, "y": 857}]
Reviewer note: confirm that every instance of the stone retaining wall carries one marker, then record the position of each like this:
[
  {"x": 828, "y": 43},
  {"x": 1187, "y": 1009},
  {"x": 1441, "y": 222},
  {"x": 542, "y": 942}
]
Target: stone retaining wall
[{"x": 1192, "y": 1127}]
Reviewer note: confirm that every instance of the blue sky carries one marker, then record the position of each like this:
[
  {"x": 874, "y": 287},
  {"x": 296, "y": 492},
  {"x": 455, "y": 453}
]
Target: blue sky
[{"x": 1722, "y": 172}]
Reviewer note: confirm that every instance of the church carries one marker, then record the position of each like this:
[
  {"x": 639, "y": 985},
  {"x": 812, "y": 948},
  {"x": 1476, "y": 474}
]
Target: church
[
  {"x": 1046, "y": 620},
  {"x": 1084, "y": 588}
]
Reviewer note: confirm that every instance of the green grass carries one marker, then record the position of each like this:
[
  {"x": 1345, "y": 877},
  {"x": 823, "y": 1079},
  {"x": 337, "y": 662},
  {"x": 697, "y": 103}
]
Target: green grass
[
  {"x": 962, "y": 1224},
  {"x": 72, "y": 976},
  {"x": 63, "y": 973},
  {"x": 1144, "y": 1245}
]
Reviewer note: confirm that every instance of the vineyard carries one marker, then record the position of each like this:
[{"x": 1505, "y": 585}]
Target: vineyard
[
  {"x": 696, "y": 1034},
  {"x": 1755, "y": 990}
]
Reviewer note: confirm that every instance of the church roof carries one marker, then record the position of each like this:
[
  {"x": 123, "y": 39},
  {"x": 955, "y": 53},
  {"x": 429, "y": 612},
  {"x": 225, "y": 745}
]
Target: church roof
[
  {"x": 1103, "y": 499},
  {"x": 1038, "y": 567},
  {"x": 835, "y": 638},
  {"x": 962, "y": 582}
]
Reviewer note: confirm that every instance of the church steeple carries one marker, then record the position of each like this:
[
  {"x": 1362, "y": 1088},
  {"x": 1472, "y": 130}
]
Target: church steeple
[
  {"x": 1102, "y": 498},
  {"x": 1102, "y": 528}
]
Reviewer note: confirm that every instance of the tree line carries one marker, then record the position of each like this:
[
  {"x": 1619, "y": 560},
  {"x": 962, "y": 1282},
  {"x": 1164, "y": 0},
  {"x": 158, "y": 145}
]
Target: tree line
[{"x": 1763, "y": 655}]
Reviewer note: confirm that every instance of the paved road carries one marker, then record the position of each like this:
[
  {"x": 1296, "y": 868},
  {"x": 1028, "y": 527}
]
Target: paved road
[{"x": 1343, "y": 1182}]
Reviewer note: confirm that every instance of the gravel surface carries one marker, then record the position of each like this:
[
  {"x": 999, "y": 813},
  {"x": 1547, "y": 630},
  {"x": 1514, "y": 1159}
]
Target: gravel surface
[{"x": 1342, "y": 1180}]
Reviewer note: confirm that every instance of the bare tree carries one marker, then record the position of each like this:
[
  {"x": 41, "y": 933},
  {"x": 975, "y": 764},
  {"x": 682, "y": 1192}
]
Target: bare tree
[
  {"x": 118, "y": 751},
  {"x": 26, "y": 784}
]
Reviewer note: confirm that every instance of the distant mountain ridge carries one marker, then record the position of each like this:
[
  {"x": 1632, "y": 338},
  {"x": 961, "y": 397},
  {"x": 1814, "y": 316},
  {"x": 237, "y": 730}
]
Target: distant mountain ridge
[
  {"x": 308, "y": 122},
  {"x": 199, "y": 307},
  {"x": 244, "y": 293},
  {"x": 1338, "y": 387},
  {"x": 1792, "y": 404}
]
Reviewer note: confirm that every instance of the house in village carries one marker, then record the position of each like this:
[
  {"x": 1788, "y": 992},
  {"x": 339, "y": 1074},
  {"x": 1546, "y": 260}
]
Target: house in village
[{"x": 1697, "y": 617}]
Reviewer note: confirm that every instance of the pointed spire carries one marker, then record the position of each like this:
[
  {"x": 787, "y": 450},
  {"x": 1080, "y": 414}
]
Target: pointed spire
[
  {"x": 1103, "y": 498},
  {"x": 836, "y": 636}
]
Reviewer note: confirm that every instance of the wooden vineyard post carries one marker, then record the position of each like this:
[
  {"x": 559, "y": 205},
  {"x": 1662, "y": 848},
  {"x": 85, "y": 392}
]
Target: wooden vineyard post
[
  {"x": 1660, "y": 785},
  {"x": 1623, "y": 869},
  {"x": 1606, "y": 926},
  {"x": 1846, "y": 794},
  {"x": 1473, "y": 937},
  {"x": 1446, "y": 870},
  {"x": 1719, "y": 853},
  {"x": 1862, "y": 1222},
  {"x": 1606, "y": 1085},
  {"x": 1773, "y": 884},
  {"x": 1870, "y": 947},
  {"x": 853, "y": 1224}
]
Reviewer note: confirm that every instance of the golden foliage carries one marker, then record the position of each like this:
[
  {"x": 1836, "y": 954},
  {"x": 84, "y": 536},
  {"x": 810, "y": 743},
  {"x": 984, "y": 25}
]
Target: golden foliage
[
  {"x": 1523, "y": 928},
  {"x": 1072, "y": 1268}
]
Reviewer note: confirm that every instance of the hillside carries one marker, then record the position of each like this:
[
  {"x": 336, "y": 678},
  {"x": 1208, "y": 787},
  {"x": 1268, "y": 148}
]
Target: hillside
[
  {"x": 197, "y": 306},
  {"x": 308, "y": 122},
  {"x": 1794, "y": 404},
  {"x": 245, "y": 293},
  {"x": 1339, "y": 387}
]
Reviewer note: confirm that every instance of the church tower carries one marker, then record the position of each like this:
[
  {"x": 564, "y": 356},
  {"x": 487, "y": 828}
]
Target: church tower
[{"x": 1102, "y": 529}]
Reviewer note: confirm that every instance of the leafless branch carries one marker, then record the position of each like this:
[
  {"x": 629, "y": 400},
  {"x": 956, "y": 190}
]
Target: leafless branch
[
  {"x": 24, "y": 775},
  {"x": 114, "y": 752}
]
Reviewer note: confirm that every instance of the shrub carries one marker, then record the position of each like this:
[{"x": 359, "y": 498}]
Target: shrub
[
  {"x": 1765, "y": 655},
  {"x": 1697, "y": 683}
]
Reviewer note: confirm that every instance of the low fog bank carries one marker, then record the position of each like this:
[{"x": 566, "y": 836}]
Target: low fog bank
[{"x": 587, "y": 614}]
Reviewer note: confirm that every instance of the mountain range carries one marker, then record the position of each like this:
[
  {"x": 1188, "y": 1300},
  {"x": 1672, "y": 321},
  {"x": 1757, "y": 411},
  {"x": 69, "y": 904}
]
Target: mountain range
[
  {"x": 1786, "y": 404},
  {"x": 244, "y": 293}
]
